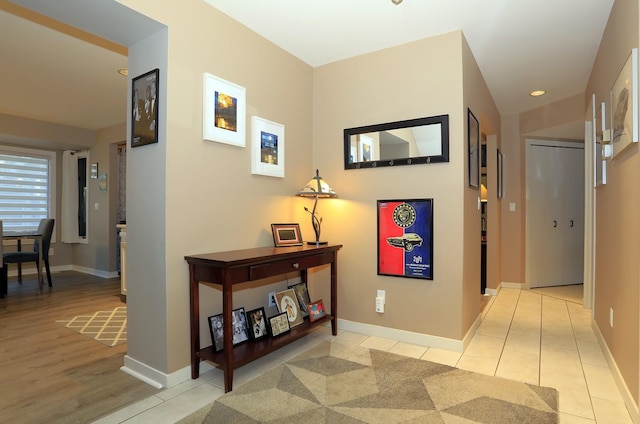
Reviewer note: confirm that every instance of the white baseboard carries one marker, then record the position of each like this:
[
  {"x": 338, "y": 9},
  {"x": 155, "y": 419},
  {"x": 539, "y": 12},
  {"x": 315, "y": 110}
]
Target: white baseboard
[
  {"x": 96, "y": 272},
  {"x": 509, "y": 285},
  {"x": 405, "y": 336},
  {"x": 31, "y": 270},
  {"x": 627, "y": 397},
  {"x": 159, "y": 379}
]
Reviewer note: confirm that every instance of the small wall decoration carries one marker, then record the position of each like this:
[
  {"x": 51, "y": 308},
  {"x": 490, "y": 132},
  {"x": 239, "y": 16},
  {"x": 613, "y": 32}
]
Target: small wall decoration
[
  {"x": 279, "y": 324},
  {"x": 599, "y": 164},
  {"x": 302, "y": 294},
  {"x": 267, "y": 147},
  {"x": 405, "y": 238},
  {"x": 144, "y": 109},
  {"x": 473, "y": 145},
  {"x": 102, "y": 183},
  {"x": 257, "y": 321},
  {"x": 286, "y": 301},
  {"x": 286, "y": 235},
  {"x": 224, "y": 111},
  {"x": 316, "y": 310},
  {"x": 624, "y": 105}
]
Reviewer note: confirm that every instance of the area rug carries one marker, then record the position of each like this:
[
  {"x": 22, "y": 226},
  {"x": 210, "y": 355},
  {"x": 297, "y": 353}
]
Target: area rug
[
  {"x": 343, "y": 384},
  {"x": 106, "y": 327}
]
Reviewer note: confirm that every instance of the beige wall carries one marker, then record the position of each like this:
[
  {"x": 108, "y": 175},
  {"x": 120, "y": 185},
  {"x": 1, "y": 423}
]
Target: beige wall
[{"x": 617, "y": 224}]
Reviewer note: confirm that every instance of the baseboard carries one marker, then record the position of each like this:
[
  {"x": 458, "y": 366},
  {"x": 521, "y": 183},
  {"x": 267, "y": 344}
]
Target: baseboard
[
  {"x": 159, "y": 379},
  {"x": 96, "y": 272},
  {"x": 403, "y": 335},
  {"x": 627, "y": 397},
  {"x": 510, "y": 285},
  {"x": 29, "y": 270}
]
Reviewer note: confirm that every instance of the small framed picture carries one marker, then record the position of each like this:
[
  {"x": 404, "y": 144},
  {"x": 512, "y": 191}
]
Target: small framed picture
[
  {"x": 316, "y": 310},
  {"x": 302, "y": 294},
  {"x": 257, "y": 321},
  {"x": 144, "y": 109},
  {"x": 224, "y": 111},
  {"x": 286, "y": 235},
  {"x": 217, "y": 332},
  {"x": 279, "y": 324},
  {"x": 473, "y": 146},
  {"x": 287, "y": 302},
  {"x": 267, "y": 147},
  {"x": 239, "y": 326}
]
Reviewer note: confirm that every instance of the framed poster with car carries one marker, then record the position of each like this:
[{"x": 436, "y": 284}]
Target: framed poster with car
[{"x": 405, "y": 238}]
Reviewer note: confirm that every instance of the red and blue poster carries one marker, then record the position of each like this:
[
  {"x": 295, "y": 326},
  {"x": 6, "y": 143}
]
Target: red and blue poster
[{"x": 405, "y": 238}]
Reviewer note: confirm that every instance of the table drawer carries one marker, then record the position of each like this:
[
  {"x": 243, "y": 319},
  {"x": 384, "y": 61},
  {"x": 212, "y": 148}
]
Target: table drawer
[{"x": 257, "y": 272}]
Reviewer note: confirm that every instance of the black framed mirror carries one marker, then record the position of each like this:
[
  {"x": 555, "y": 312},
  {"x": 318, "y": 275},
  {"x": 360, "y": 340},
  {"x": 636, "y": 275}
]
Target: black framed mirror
[{"x": 411, "y": 142}]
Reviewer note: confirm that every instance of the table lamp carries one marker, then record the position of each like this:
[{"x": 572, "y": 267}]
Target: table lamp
[{"x": 316, "y": 188}]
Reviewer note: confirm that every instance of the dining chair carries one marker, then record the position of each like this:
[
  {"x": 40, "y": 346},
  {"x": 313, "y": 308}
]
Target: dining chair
[{"x": 45, "y": 229}]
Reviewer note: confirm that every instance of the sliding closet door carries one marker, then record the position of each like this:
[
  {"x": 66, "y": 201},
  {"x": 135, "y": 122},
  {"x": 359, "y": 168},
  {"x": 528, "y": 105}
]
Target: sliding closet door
[{"x": 554, "y": 215}]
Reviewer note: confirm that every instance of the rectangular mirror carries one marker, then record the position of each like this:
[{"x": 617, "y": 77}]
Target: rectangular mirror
[{"x": 410, "y": 142}]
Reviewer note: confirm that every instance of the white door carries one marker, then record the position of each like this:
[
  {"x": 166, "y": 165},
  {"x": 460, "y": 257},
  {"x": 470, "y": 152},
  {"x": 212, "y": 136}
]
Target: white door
[{"x": 555, "y": 213}]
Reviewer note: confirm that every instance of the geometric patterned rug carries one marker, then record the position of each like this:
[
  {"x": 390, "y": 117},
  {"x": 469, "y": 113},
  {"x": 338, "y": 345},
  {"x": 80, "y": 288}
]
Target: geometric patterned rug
[
  {"x": 106, "y": 327},
  {"x": 337, "y": 383}
]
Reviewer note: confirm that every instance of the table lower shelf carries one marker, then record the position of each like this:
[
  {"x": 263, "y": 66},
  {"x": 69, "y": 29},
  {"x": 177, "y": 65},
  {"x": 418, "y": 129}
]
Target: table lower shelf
[{"x": 252, "y": 350}]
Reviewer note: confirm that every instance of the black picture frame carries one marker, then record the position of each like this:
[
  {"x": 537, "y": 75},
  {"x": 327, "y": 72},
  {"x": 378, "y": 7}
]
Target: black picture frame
[
  {"x": 257, "y": 324},
  {"x": 144, "y": 108},
  {"x": 279, "y": 324},
  {"x": 302, "y": 294},
  {"x": 473, "y": 146},
  {"x": 405, "y": 238},
  {"x": 216, "y": 328},
  {"x": 239, "y": 326}
]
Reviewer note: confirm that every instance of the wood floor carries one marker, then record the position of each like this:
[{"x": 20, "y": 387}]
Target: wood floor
[{"x": 51, "y": 374}]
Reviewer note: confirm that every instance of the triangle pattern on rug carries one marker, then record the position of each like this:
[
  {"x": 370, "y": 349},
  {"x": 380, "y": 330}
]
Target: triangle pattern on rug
[{"x": 106, "y": 327}]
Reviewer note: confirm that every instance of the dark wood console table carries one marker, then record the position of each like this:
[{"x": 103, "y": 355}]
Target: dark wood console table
[{"x": 238, "y": 266}]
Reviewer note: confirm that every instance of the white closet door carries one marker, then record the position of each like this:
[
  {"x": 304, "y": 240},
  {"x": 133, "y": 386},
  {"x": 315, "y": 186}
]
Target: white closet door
[{"x": 554, "y": 214}]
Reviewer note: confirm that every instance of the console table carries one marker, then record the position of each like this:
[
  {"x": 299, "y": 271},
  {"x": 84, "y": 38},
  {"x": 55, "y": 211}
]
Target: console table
[{"x": 227, "y": 269}]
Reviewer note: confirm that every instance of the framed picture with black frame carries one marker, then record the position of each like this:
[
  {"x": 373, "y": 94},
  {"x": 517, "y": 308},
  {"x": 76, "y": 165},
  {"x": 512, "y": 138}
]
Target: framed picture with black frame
[
  {"x": 473, "y": 145},
  {"x": 144, "y": 108},
  {"x": 405, "y": 238},
  {"x": 257, "y": 321},
  {"x": 279, "y": 324}
]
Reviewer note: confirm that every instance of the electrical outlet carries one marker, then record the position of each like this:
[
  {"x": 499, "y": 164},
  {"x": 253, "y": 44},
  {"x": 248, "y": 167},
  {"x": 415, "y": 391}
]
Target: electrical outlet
[
  {"x": 272, "y": 298},
  {"x": 380, "y": 305}
]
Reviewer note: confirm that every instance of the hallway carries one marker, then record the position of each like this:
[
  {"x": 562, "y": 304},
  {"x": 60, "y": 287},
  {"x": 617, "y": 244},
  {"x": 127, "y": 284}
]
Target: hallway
[{"x": 524, "y": 336}]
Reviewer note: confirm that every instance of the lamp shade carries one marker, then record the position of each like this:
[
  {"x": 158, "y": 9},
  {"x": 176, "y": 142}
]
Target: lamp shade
[{"x": 317, "y": 187}]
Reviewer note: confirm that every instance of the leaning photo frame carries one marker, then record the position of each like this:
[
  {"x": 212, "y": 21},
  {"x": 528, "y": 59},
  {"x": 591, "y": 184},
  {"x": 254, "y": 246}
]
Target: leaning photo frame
[
  {"x": 302, "y": 294},
  {"x": 279, "y": 324},
  {"x": 257, "y": 322},
  {"x": 286, "y": 235},
  {"x": 144, "y": 108},
  {"x": 286, "y": 301},
  {"x": 316, "y": 310}
]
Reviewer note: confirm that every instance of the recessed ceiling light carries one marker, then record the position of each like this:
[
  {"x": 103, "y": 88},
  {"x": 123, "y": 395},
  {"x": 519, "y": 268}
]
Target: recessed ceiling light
[
  {"x": 123, "y": 72},
  {"x": 538, "y": 93}
]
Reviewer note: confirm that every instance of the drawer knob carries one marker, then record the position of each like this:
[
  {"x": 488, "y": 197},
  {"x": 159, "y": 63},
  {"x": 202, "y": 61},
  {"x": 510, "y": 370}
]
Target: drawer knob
[{"x": 296, "y": 266}]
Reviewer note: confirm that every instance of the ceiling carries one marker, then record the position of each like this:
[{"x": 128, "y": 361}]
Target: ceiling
[{"x": 519, "y": 45}]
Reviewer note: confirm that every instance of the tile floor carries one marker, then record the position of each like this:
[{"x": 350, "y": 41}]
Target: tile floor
[{"x": 524, "y": 336}]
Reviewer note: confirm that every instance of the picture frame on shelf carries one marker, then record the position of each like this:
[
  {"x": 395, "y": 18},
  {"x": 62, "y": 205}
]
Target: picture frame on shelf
[
  {"x": 224, "y": 111},
  {"x": 316, "y": 310},
  {"x": 267, "y": 147},
  {"x": 405, "y": 238},
  {"x": 473, "y": 146},
  {"x": 144, "y": 108},
  {"x": 302, "y": 294},
  {"x": 286, "y": 235},
  {"x": 624, "y": 105},
  {"x": 279, "y": 324},
  {"x": 239, "y": 326},
  {"x": 286, "y": 301},
  {"x": 257, "y": 322},
  {"x": 216, "y": 327}
]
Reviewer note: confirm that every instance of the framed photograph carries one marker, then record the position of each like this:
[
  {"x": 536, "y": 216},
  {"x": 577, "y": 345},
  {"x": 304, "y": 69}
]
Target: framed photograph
[
  {"x": 257, "y": 320},
  {"x": 287, "y": 302},
  {"x": 217, "y": 332},
  {"x": 144, "y": 109},
  {"x": 224, "y": 111},
  {"x": 286, "y": 235},
  {"x": 624, "y": 105},
  {"x": 499, "y": 175},
  {"x": 302, "y": 294},
  {"x": 366, "y": 148},
  {"x": 239, "y": 326},
  {"x": 267, "y": 147},
  {"x": 473, "y": 145},
  {"x": 279, "y": 324},
  {"x": 405, "y": 238},
  {"x": 316, "y": 310}
]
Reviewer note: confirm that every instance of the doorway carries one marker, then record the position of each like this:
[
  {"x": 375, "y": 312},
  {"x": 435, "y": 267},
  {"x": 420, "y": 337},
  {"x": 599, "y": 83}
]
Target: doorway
[{"x": 555, "y": 213}]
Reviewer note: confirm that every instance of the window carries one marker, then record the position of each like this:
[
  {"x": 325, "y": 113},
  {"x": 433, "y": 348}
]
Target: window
[{"x": 27, "y": 187}]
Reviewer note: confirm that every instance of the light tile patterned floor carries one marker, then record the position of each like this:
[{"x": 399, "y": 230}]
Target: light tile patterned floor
[{"x": 524, "y": 336}]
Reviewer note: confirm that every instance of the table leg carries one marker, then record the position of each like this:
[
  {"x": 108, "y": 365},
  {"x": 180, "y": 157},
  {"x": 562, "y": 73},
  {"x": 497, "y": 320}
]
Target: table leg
[
  {"x": 40, "y": 262},
  {"x": 227, "y": 305},
  {"x": 334, "y": 294},
  {"x": 194, "y": 296}
]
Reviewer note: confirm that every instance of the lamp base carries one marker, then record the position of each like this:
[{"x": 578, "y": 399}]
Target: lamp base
[{"x": 319, "y": 243}]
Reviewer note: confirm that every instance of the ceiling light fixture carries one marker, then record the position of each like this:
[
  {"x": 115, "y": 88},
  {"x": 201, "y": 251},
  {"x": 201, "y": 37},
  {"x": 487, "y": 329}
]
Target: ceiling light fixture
[
  {"x": 396, "y": 2},
  {"x": 538, "y": 93},
  {"x": 123, "y": 71}
]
